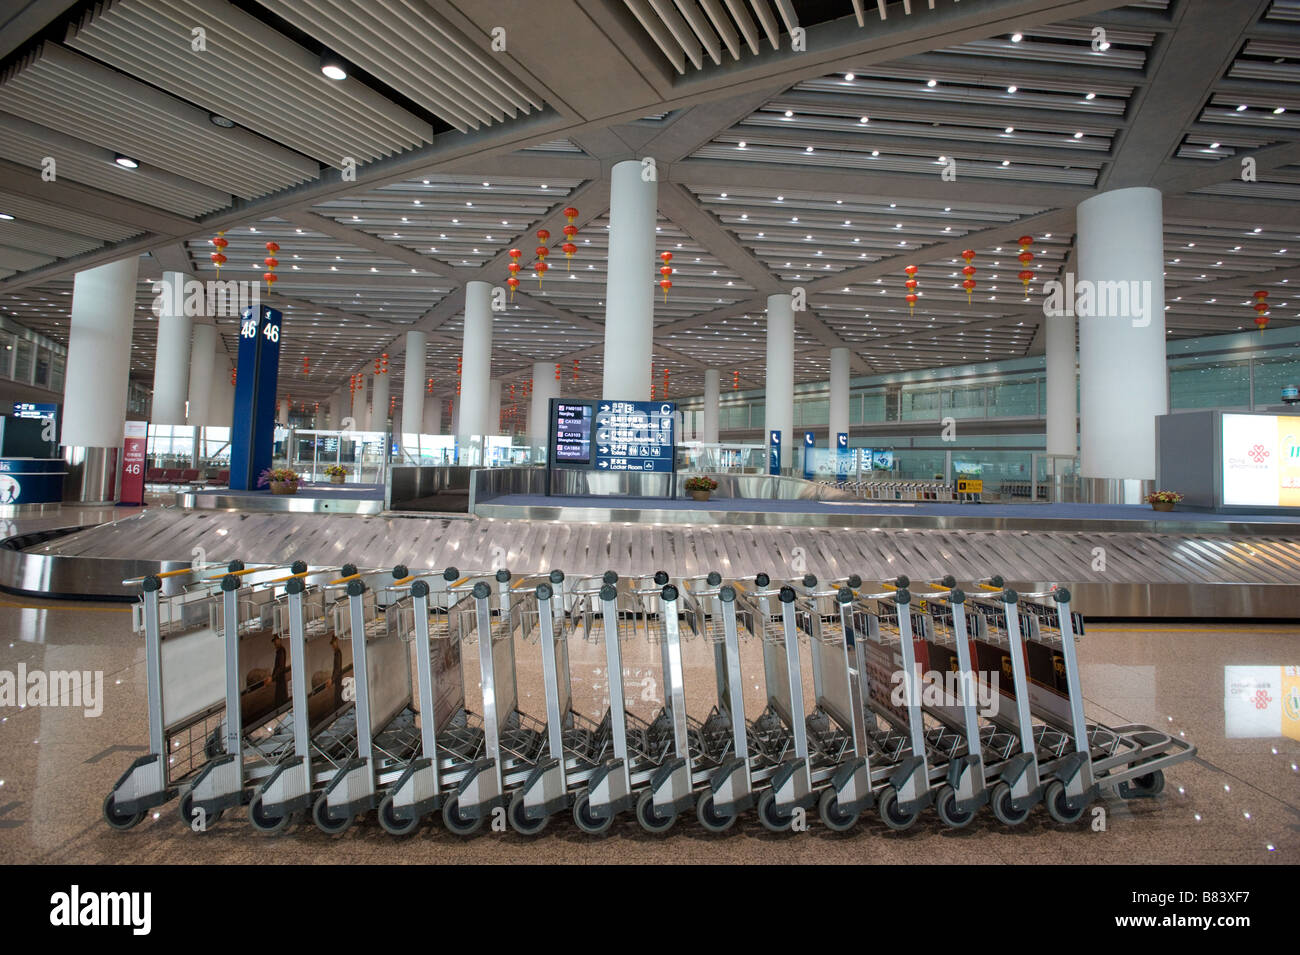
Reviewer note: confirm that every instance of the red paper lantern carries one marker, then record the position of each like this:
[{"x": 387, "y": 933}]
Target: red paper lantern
[
  {"x": 271, "y": 278},
  {"x": 910, "y": 270},
  {"x": 540, "y": 268},
  {"x": 570, "y": 214},
  {"x": 1026, "y": 277},
  {"x": 270, "y": 261},
  {"x": 272, "y": 247},
  {"x": 514, "y": 284},
  {"x": 543, "y": 235},
  {"x": 910, "y": 298},
  {"x": 968, "y": 254},
  {"x": 218, "y": 257},
  {"x": 568, "y": 249},
  {"x": 910, "y": 284},
  {"x": 665, "y": 285},
  {"x": 218, "y": 260},
  {"x": 969, "y": 286},
  {"x": 570, "y": 231},
  {"x": 666, "y": 256},
  {"x": 1025, "y": 257}
]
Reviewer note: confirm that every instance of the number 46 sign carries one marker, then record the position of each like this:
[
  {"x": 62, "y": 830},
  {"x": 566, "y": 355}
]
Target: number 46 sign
[{"x": 253, "y": 428}]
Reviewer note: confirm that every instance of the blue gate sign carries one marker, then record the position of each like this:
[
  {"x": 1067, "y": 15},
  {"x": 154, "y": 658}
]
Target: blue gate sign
[
  {"x": 774, "y": 452},
  {"x": 634, "y": 435},
  {"x": 252, "y": 430}
]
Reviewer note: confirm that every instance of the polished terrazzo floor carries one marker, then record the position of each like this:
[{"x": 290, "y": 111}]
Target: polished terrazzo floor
[{"x": 1238, "y": 802}]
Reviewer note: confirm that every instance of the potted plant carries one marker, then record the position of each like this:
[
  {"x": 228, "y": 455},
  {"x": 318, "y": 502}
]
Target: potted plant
[
  {"x": 1163, "y": 500},
  {"x": 281, "y": 480},
  {"x": 701, "y": 487},
  {"x": 337, "y": 473}
]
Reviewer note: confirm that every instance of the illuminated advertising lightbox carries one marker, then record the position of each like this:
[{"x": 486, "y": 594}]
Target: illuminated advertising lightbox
[
  {"x": 1261, "y": 460},
  {"x": 1261, "y": 702}
]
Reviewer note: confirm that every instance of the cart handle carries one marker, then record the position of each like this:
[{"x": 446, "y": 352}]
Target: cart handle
[{"x": 163, "y": 576}]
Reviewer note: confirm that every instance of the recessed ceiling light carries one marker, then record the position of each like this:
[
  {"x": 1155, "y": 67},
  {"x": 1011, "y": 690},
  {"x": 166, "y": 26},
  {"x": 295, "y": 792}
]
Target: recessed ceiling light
[
  {"x": 1006, "y": 162},
  {"x": 932, "y": 83},
  {"x": 742, "y": 144},
  {"x": 1091, "y": 96},
  {"x": 789, "y": 113},
  {"x": 1009, "y": 129},
  {"x": 1078, "y": 135},
  {"x": 1012, "y": 89},
  {"x": 126, "y": 162},
  {"x": 1017, "y": 37},
  {"x": 849, "y": 77},
  {"x": 1241, "y": 108},
  {"x": 1279, "y": 111},
  {"x": 6, "y": 216},
  {"x": 332, "y": 66},
  {"x": 222, "y": 121}
]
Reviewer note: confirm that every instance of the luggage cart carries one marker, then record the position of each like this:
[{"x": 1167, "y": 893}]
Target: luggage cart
[
  {"x": 781, "y": 728},
  {"x": 432, "y": 618},
  {"x": 512, "y": 740},
  {"x": 625, "y": 774},
  {"x": 376, "y": 739},
  {"x": 726, "y": 754},
  {"x": 215, "y": 705},
  {"x": 895, "y": 729},
  {"x": 1130, "y": 758},
  {"x": 183, "y": 686}
]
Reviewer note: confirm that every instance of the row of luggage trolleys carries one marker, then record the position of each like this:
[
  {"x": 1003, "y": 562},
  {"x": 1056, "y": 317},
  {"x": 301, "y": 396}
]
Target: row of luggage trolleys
[{"x": 344, "y": 692}]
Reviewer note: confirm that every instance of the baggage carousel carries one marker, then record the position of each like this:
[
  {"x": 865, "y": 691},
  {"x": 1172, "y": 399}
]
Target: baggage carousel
[{"x": 1192, "y": 567}]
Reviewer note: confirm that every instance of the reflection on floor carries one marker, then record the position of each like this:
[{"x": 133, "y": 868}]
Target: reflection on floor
[{"x": 1237, "y": 803}]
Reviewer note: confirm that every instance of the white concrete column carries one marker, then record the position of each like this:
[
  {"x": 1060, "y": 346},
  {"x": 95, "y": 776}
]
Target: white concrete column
[
  {"x": 494, "y": 407},
  {"x": 474, "y": 402},
  {"x": 282, "y": 412},
  {"x": 454, "y": 429},
  {"x": 334, "y": 417},
  {"x": 99, "y": 354},
  {"x": 778, "y": 412},
  {"x": 200, "y": 377},
  {"x": 379, "y": 403},
  {"x": 712, "y": 400},
  {"x": 358, "y": 408},
  {"x": 221, "y": 403},
  {"x": 1062, "y": 388},
  {"x": 171, "y": 363},
  {"x": 545, "y": 387},
  {"x": 1122, "y": 370},
  {"x": 417, "y": 347},
  {"x": 839, "y": 387},
  {"x": 432, "y": 418},
  {"x": 630, "y": 283}
]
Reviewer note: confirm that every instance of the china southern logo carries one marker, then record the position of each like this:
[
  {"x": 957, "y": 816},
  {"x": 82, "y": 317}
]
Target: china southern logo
[
  {"x": 76, "y": 908},
  {"x": 1259, "y": 454}
]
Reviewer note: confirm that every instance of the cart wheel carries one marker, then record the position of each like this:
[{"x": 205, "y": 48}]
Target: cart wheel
[
  {"x": 771, "y": 816},
  {"x": 833, "y": 817},
  {"x": 1057, "y": 807},
  {"x": 945, "y": 803},
  {"x": 120, "y": 820},
  {"x": 1152, "y": 784},
  {"x": 188, "y": 811},
  {"x": 264, "y": 821},
  {"x": 331, "y": 827},
  {"x": 519, "y": 822},
  {"x": 710, "y": 818},
  {"x": 588, "y": 823},
  {"x": 890, "y": 814},
  {"x": 390, "y": 823},
  {"x": 456, "y": 821},
  {"x": 651, "y": 819},
  {"x": 1002, "y": 808}
]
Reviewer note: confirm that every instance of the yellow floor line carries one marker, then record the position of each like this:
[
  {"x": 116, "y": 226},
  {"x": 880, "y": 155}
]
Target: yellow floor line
[{"x": 6, "y": 603}]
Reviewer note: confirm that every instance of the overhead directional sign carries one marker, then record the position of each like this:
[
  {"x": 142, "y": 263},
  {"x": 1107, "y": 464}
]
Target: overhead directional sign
[{"x": 634, "y": 435}]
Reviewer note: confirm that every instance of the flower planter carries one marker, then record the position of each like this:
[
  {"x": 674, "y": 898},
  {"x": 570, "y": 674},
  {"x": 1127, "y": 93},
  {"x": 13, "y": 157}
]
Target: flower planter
[
  {"x": 1162, "y": 506},
  {"x": 701, "y": 495},
  {"x": 338, "y": 478},
  {"x": 284, "y": 487}
]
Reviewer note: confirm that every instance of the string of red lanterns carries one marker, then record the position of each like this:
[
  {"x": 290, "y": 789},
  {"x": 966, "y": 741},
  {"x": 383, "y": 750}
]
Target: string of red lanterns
[
  {"x": 543, "y": 236},
  {"x": 513, "y": 268},
  {"x": 271, "y": 262},
  {"x": 969, "y": 271},
  {"x": 575, "y": 370},
  {"x": 665, "y": 270},
  {"x": 911, "y": 286},
  {"x": 219, "y": 257},
  {"x": 735, "y": 381},
  {"x": 1025, "y": 256},
  {"x": 1261, "y": 309},
  {"x": 570, "y": 233}
]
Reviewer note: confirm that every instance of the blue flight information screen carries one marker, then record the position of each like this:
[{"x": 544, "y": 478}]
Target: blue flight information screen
[{"x": 573, "y": 433}]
